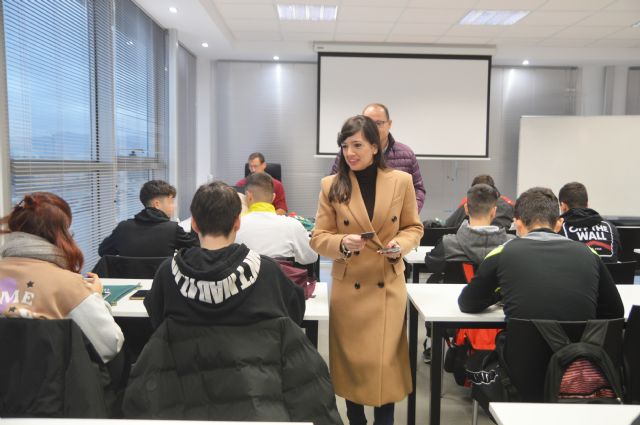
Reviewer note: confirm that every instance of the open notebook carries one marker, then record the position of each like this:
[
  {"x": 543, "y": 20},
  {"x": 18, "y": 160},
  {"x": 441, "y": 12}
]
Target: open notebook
[{"x": 112, "y": 293}]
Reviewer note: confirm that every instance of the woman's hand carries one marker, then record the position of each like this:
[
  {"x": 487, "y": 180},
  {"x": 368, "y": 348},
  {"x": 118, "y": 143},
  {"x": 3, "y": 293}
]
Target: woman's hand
[
  {"x": 353, "y": 242},
  {"x": 392, "y": 251},
  {"x": 93, "y": 283}
]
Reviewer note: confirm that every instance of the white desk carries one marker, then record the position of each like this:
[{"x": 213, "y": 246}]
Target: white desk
[
  {"x": 316, "y": 309},
  {"x": 416, "y": 258},
  {"x": 66, "y": 421},
  {"x": 563, "y": 414},
  {"x": 438, "y": 304}
]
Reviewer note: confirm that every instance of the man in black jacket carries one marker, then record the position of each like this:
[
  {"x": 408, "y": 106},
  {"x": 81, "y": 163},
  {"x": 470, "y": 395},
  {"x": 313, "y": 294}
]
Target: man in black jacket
[
  {"x": 585, "y": 225},
  {"x": 151, "y": 233},
  {"x": 227, "y": 344},
  {"x": 543, "y": 275}
]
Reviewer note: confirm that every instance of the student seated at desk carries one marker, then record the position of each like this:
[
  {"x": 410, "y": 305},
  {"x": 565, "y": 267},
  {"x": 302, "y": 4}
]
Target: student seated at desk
[
  {"x": 151, "y": 233},
  {"x": 41, "y": 264},
  {"x": 267, "y": 233},
  {"x": 228, "y": 316},
  {"x": 475, "y": 238},
  {"x": 257, "y": 164},
  {"x": 543, "y": 275}
]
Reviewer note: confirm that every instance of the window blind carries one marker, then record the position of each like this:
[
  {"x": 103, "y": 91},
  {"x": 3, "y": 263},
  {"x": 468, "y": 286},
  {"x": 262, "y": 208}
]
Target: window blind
[{"x": 86, "y": 106}]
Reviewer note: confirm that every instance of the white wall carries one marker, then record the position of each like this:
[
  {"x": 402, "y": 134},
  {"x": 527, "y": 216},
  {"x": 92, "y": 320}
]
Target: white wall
[{"x": 205, "y": 119}]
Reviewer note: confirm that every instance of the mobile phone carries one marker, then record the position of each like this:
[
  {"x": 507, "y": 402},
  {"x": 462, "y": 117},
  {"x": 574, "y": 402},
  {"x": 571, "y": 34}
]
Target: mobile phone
[
  {"x": 139, "y": 295},
  {"x": 390, "y": 250},
  {"x": 367, "y": 235}
]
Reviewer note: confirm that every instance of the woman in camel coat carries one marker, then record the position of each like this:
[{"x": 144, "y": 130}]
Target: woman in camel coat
[{"x": 367, "y": 331}]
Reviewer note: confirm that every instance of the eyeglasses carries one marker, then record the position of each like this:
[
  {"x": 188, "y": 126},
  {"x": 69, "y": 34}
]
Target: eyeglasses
[{"x": 380, "y": 123}]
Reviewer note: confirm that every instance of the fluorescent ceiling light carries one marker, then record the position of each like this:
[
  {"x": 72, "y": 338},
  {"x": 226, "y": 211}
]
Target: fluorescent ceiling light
[
  {"x": 307, "y": 12},
  {"x": 173, "y": 10},
  {"x": 493, "y": 17}
]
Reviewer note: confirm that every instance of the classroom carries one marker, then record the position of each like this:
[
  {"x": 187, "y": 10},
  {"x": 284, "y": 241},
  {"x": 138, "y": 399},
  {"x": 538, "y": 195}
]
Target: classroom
[{"x": 100, "y": 97}]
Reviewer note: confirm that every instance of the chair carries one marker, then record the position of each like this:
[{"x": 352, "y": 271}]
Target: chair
[
  {"x": 458, "y": 271},
  {"x": 527, "y": 353},
  {"x": 631, "y": 349},
  {"x": 273, "y": 169},
  {"x": 629, "y": 240},
  {"x": 623, "y": 273},
  {"x": 119, "y": 266},
  {"x": 46, "y": 371},
  {"x": 432, "y": 235}
]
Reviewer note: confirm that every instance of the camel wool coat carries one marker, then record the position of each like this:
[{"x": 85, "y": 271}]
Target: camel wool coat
[{"x": 368, "y": 349}]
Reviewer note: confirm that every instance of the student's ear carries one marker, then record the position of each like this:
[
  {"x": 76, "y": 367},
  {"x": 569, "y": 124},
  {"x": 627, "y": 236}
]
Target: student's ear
[
  {"x": 558, "y": 225},
  {"x": 194, "y": 226},
  {"x": 494, "y": 211},
  {"x": 390, "y": 122},
  {"x": 521, "y": 229},
  {"x": 155, "y": 203},
  {"x": 273, "y": 197},
  {"x": 564, "y": 207},
  {"x": 466, "y": 209},
  {"x": 236, "y": 224}
]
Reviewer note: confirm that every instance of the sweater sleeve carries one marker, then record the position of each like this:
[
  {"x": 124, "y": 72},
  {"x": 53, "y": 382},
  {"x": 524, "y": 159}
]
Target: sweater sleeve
[
  {"x": 435, "y": 260},
  {"x": 280, "y": 201},
  {"x": 108, "y": 245},
  {"x": 481, "y": 292},
  {"x": 184, "y": 239},
  {"x": 456, "y": 218},
  {"x": 302, "y": 251},
  {"x": 325, "y": 239},
  {"x": 154, "y": 300},
  {"x": 93, "y": 316},
  {"x": 334, "y": 167},
  {"x": 418, "y": 184},
  {"x": 609, "y": 302}
]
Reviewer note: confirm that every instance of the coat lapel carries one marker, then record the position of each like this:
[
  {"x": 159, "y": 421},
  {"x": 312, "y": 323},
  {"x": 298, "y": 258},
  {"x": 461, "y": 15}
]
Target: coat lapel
[{"x": 385, "y": 190}]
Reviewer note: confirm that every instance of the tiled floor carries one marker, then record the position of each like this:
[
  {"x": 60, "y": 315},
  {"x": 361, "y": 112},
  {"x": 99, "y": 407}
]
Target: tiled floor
[{"x": 456, "y": 402}]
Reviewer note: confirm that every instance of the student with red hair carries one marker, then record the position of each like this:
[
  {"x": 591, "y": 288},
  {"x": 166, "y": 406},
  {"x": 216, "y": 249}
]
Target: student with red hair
[{"x": 39, "y": 273}]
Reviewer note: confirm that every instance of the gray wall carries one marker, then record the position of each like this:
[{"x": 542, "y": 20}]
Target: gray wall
[{"x": 271, "y": 108}]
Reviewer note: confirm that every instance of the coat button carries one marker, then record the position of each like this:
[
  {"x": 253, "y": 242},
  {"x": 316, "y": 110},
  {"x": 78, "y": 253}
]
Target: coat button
[
  {"x": 380, "y": 284},
  {"x": 357, "y": 252},
  {"x": 394, "y": 218},
  {"x": 357, "y": 285},
  {"x": 346, "y": 222}
]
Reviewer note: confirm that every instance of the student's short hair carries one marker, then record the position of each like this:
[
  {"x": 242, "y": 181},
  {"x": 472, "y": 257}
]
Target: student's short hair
[
  {"x": 481, "y": 198},
  {"x": 256, "y": 155},
  {"x": 155, "y": 189},
  {"x": 574, "y": 194},
  {"x": 379, "y": 105},
  {"x": 261, "y": 184},
  {"x": 215, "y": 207},
  {"x": 537, "y": 204},
  {"x": 485, "y": 179}
]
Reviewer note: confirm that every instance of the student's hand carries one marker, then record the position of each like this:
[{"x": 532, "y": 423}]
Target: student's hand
[
  {"x": 394, "y": 247},
  {"x": 93, "y": 283},
  {"x": 353, "y": 242}
]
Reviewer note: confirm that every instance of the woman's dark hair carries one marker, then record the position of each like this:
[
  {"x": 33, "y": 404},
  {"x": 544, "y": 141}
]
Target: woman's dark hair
[
  {"x": 48, "y": 216},
  {"x": 341, "y": 187}
]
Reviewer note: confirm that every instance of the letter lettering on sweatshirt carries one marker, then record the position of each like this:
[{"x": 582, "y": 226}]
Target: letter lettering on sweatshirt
[
  {"x": 27, "y": 298},
  {"x": 205, "y": 291},
  {"x": 6, "y": 297},
  {"x": 217, "y": 292}
]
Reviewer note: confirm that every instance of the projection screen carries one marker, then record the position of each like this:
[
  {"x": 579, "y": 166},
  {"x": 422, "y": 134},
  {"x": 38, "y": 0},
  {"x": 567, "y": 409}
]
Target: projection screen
[{"x": 438, "y": 104}]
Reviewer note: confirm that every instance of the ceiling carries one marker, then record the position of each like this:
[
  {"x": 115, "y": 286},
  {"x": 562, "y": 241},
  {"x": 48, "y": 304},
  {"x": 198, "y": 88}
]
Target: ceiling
[{"x": 556, "y": 32}]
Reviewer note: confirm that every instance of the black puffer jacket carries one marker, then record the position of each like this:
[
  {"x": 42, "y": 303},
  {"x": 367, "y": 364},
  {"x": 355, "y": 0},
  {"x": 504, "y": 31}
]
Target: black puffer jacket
[{"x": 267, "y": 371}]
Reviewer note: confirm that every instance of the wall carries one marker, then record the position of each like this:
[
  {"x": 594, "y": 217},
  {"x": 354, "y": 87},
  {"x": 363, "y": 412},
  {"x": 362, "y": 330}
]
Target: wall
[{"x": 271, "y": 107}]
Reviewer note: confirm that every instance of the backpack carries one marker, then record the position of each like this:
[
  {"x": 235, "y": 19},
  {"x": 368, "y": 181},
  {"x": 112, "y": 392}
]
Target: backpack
[
  {"x": 579, "y": 372},
  {"x": 299, "y": 276}
]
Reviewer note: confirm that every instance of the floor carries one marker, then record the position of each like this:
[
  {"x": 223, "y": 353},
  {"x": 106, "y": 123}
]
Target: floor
[{"x": 456, "y": 402}]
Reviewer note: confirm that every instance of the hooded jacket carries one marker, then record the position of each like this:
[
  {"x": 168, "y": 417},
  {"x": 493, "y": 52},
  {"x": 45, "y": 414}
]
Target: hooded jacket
[
  {"x": 587, "y": 226},
  {"x": 467, "y": 244},
  {"x": 149, "y": 234},
  {"x": 227, "y": 347}
]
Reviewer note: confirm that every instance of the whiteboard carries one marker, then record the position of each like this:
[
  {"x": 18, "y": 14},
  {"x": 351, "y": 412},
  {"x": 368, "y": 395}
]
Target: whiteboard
[
  {"x": 439, "y": 104},
  {"x": 602, "y": 152}
]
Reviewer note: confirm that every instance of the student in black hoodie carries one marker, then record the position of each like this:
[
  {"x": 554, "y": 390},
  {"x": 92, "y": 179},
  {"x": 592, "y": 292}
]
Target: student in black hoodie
[
  {"x": 585, "y": 225},
  {"x": 227, "y": 344},
  {"x": 151, "y": 233}
]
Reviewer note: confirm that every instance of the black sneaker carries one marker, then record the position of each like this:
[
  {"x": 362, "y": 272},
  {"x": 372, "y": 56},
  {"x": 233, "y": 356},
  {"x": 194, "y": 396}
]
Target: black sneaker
[{"x": 426, "y": 356}]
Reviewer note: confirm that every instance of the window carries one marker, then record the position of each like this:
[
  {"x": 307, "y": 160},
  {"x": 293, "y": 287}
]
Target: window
[{"x": 86, "y": 94}]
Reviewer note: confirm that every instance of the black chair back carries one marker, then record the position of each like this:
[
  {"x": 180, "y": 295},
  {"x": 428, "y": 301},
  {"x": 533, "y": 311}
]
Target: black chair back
[
  {"x": 432, "y": 235},
  {"x": 622, "y": 273},
  {"x": 273, "y": 169},
  {"x": 458, "y": 271},
  {"x": 632, "y": 356},
  {"x": 629, "y": 240},
  {"x": 119, "y": 266},
  {"x": 527, "y": 353}
]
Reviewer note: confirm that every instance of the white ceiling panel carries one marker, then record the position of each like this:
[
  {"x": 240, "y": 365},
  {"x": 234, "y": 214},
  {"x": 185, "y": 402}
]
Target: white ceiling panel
[
  {"x": 531, "y": 31},
  {"x": 399, "y": 38},
  {"x": 310, "y": 27},
  {"x": 435, "y": 16},
  {"x": 253, "y": 25},
  {"x": 248, "y": 11},
  {"x": 624, "y": 5},
  {"x": 575, "y": 4},
  {"x": 605, "y": 18},
  {"x": 628, "y": 33},
  {"x": 363, "y": 28},
  {"x": 519, "y": 41},
  {"x": 566, "y": 42},
  {"x": 612, "y": 42},
  {"x": 369, "y": 14},
  {"x": 217, "y": 2},
  {"x": 442, "y": 4},
  {"x": 463, "y": 40},
  {"x": 476, "y": 31},
  {"x": 508, "y": 4},
  {"x": 373, "y": 38},
  {"x": 419, "y": 29},
  {"x": 257, "y": 35},
  {"x": 586, "y": 32},
  {"x": 372, "y": 3},
  {"x": 307, "y": 36},
  {"x": 553, "y": 18}
]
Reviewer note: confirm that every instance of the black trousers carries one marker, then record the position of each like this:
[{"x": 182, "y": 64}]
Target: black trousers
[{"x": 382, "y": 415}]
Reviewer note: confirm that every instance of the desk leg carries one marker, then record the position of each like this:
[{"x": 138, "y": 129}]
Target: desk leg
[
  {"x": 416, "y": 273},
  {"x": 437, "y": 343},
  {"x": 311, "y": 329},
  {"x": 413, "y": 354}
]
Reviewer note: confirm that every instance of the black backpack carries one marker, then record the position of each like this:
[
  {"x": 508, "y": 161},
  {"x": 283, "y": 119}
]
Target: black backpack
[{"x": 579, "y": 372}]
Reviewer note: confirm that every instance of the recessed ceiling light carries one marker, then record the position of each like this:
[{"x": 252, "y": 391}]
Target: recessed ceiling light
[
  {"x": 307, "y": 12},
  {"x": 276, "y": 58},
  {"x": 493, "y": 17},
  {"x": 525, "y": 62},
  {"x": 205, "y": 44},
  {"x": 173, "y": 10}
]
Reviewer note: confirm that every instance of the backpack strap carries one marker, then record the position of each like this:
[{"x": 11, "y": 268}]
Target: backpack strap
[
  {"x": 595, "y": 332},
  {"x": 552, "y": 333}
]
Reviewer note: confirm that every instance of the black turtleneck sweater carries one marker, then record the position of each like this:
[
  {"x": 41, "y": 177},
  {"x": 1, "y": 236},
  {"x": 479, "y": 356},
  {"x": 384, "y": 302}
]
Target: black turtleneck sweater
[{"x": 367, "y": 181}]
